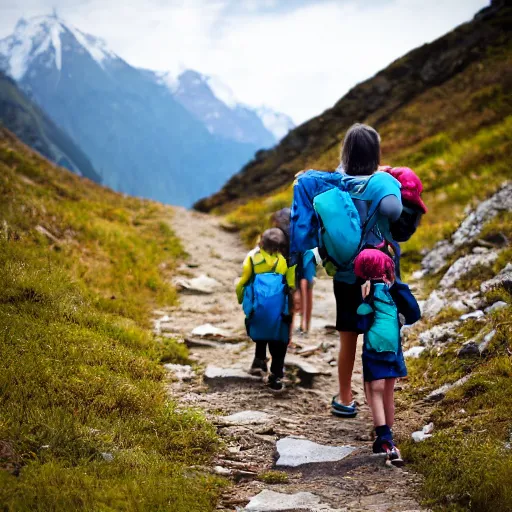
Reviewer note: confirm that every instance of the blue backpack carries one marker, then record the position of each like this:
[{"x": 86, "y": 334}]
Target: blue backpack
[
  {"x": 324, "y": 215},
  {"x": 266, "y": 307}
]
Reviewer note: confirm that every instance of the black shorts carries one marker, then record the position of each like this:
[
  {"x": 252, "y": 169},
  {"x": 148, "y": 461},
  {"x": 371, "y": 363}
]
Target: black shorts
[{"x": 348, "y": 298}]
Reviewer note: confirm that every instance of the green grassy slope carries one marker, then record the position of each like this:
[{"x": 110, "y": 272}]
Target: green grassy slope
[
  {"x": 85, "y": 422},
  {"x": 468, "y": 462},
  {"x": 28, "y": 122}
]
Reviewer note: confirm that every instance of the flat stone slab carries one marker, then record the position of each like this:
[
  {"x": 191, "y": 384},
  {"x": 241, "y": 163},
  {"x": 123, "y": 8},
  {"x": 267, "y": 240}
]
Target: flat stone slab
[
  {"x": 210, "y": 331},
  {"x": 306, "y": 371},
  {"x": 294, "y": 452},
  {"x": 200, "y": 285},
  {"x": 246, "y": 418},
  {"x": 216, "y": 375},
  {"x": 271, "y": 501}
]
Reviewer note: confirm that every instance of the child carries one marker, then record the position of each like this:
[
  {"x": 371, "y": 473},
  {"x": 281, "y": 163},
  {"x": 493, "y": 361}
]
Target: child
[
  {"x": 266, "y": 306},
  {"x": 310, "y": 260},
  {"x": 383, "y": 361}
]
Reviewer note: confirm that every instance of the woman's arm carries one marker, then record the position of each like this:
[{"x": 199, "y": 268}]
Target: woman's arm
[{"x": 391, "y": 207}]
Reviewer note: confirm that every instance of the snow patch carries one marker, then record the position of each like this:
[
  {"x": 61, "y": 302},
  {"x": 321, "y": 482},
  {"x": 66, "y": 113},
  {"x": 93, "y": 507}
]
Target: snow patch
[
  {"x": 275, "y": 122},
  {"x": 55, "y": 32},
  {"x": 221, "y": 91},
  {"x": 95, "y": 47}
]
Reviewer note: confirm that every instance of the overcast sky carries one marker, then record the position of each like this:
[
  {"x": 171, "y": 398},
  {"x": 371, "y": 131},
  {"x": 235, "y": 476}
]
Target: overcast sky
[{"x": 297, "y": 56}]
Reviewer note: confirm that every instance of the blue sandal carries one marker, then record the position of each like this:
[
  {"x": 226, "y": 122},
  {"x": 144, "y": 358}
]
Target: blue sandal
[{"x": 343, "y": 411}]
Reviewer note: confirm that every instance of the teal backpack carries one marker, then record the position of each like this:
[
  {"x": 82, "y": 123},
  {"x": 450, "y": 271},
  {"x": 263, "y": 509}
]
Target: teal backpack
[
  {"x": 341, "y": 235},
  {"x": 266, "y": 307}
]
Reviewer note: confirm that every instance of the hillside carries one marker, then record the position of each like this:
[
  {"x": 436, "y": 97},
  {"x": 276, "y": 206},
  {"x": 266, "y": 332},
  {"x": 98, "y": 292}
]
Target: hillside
[
  {"x": 28, "y": 122},
  {"x": 430, "y": 106},
  {"x": 87, "y": 423}
]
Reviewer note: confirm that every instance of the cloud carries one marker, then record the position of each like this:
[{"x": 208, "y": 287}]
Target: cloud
[{"x": 298, "y": 56}]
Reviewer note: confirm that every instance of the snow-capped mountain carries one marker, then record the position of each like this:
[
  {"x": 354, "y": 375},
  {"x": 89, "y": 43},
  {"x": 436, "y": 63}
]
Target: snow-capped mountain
[
  {"x": 214, "y": 103},
  {"x": 138, "y": 135}
]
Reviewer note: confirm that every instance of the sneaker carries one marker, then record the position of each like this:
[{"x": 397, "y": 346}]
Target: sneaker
[
  {"x": 343, "y": 411},
  {"x": 275, "y": 383},
  {"x": 258, "y": 367},
  {"x": 387, "y": 446}
]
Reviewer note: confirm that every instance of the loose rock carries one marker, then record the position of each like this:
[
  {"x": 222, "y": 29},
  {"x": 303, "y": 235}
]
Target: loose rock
[
  {"x": 473, "y": 315},
  {"x": 183, "y": 372},
  {"x": 504, "y": 278},
  {"x": 201, "y": 285},
  {"x": 495, "y": 307}
]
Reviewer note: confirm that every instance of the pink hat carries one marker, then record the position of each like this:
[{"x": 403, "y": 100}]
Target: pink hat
[{"x": 411, "y": 185}]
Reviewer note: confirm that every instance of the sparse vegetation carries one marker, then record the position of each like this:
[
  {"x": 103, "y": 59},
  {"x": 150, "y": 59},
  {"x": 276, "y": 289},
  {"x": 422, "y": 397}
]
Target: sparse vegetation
[
  {"x": 86, "y": 423},
  {"x": 273, "y": 477}
]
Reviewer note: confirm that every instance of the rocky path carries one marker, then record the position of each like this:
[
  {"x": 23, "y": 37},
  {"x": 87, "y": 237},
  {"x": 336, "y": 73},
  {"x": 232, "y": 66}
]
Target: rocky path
[{"x": 284, "y": 452}]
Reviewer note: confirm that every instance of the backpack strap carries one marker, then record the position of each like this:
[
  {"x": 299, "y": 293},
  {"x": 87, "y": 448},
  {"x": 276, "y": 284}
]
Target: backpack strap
[{"x": 272, "y": 270}]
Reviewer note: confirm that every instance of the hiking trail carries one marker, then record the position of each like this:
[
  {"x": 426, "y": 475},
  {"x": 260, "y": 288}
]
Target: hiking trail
[{"x": 347, "y": 478}]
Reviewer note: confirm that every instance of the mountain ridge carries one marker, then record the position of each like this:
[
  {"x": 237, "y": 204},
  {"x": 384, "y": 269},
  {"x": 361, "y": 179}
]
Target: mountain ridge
[{"x": 141, "y": 139}]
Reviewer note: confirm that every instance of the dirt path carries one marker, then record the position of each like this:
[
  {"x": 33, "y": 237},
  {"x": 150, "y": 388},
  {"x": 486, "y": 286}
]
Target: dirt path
[{"x": 357, "y": 482}]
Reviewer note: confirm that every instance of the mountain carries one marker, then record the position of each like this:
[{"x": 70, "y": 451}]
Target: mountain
[
  {"x": 138, "y": 136},
  {"x": 214, "y": 104},
  {"x": 411, "y": 102},
  {"x": 26, "y": 120}
]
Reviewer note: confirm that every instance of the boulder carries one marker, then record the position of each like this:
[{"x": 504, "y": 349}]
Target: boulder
[
  {"x": 469, "y": 229},
  {"x": 465, "y": 264},
  {"x": 294, "y": 452},
  {"x": 442, "y": 333},
  {"x": 504, "y": 278}
]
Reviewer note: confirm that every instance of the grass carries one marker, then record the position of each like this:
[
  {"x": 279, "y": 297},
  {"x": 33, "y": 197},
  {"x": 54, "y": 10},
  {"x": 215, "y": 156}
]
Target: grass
[
  {"x": 273, "y": 477},
  {"x": 86, "y": 422},
  {"x": 467, "y": 464}
]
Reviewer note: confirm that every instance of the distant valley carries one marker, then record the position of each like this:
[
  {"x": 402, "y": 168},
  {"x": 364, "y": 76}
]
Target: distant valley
[{"x": 146, "y": 133}]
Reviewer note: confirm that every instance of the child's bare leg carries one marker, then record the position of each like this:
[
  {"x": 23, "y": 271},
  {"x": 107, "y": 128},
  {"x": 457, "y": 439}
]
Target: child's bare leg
[
  {"x": 304, "y": 304},
  {"x": 309, "y": 308},
  {"x": 376, "y": 392},
  {"x": 389, "y": 401},
  {"x": 368, "y": 394}
]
